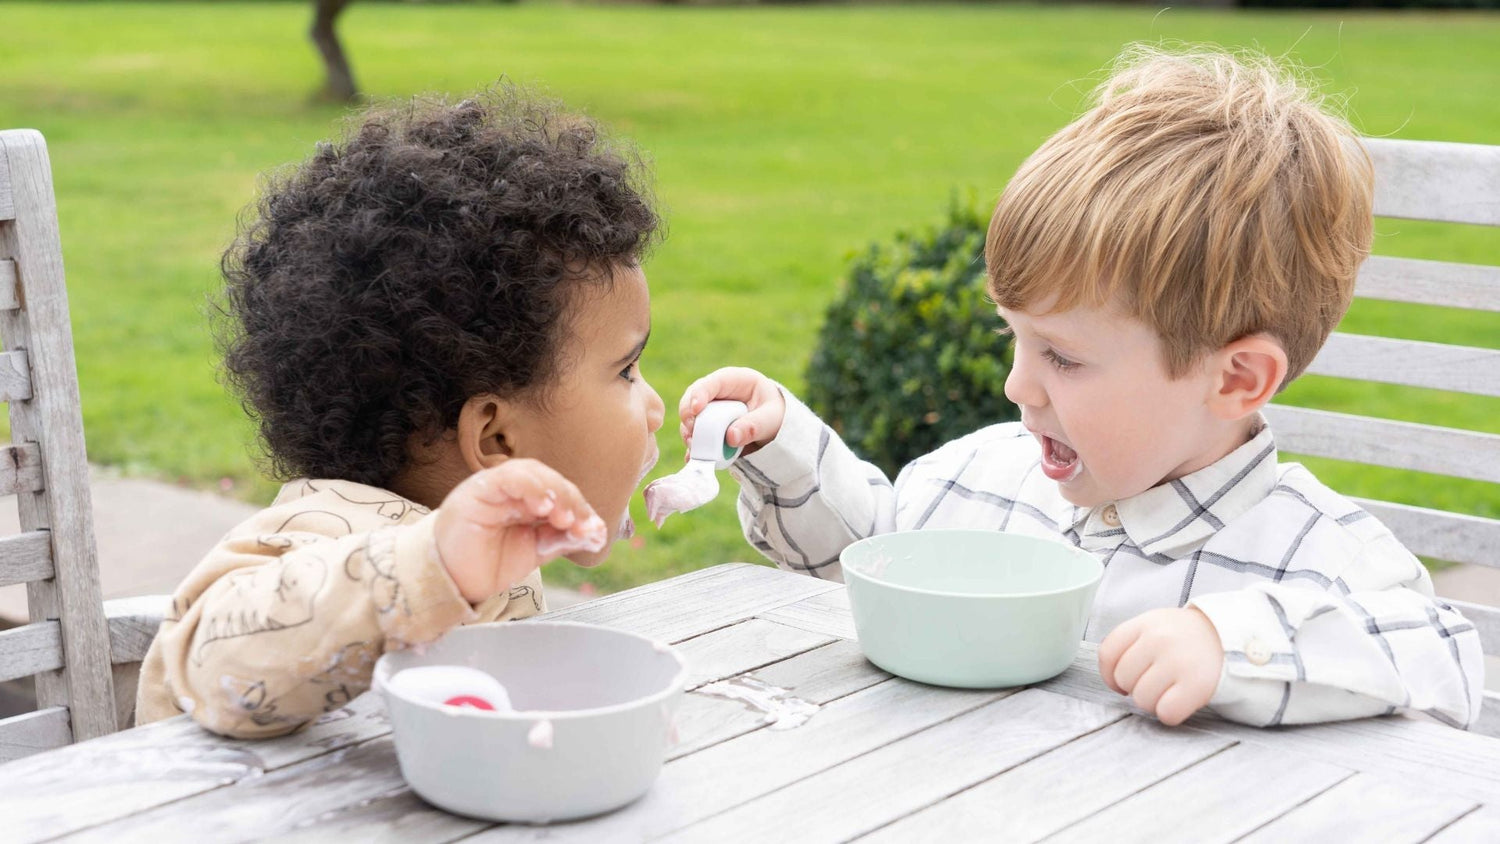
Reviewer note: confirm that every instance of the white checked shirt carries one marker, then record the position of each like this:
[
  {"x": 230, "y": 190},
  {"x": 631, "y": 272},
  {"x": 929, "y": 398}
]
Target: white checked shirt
[{"x": 1322, "y": 613}]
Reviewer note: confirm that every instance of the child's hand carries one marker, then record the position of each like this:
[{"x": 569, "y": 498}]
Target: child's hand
[
  {"x": 1167, "y": 660},
  {"x": 500, "y": 524},
  {"x": 757, "y": 427}
]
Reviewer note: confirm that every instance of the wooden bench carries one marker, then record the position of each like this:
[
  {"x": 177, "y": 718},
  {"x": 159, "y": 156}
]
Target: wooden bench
[
  {"x": 1454, "y": 183},
  {"x": 70, "y": 644}
]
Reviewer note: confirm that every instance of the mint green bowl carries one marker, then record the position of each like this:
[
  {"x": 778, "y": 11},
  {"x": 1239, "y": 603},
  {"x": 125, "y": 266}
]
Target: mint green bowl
[{"x": 969, "y": 608}]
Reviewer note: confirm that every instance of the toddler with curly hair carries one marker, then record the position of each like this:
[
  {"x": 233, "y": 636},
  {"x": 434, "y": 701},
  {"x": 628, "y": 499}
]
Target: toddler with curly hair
[{"x": 437, "y": 322}]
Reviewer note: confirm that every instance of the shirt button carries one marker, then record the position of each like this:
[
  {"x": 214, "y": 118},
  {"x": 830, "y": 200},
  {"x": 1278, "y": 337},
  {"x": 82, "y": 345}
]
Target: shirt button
[
  {"x": 1258, "y": 652},
  {"x": 1110, "y": 515}
]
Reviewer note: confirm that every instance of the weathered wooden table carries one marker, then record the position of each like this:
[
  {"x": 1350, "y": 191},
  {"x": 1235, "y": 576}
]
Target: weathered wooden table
[{"x": 881, "y": 757}]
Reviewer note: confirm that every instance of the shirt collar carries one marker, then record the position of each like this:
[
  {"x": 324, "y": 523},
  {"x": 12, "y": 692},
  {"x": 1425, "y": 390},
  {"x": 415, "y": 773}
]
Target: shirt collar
[{"x": 1179, "y": 514}]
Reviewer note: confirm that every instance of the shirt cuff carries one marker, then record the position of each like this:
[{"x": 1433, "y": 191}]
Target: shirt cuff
[
  {"x": 1259, "y": 657},
  {"x": 424, "y": 602},
  {"x": 791, "y": 456}
]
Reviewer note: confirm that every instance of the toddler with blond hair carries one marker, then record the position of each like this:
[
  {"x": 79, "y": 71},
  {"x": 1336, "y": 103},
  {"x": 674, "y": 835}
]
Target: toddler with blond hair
[{"x": 1166, "y": 263}]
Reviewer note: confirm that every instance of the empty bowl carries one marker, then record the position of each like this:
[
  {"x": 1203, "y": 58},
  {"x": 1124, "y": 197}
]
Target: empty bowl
[
  {"x": 585, "y": 729},
  {"x": 969, "y": 608}
]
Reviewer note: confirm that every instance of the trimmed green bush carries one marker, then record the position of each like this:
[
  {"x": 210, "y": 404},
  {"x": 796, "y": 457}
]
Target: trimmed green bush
[{"x": 908, "y": 357}]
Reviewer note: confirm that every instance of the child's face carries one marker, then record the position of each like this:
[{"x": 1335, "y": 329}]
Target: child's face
[
  {"x": 1093, "y": 389},
  {"x": 598, "y": 425}
]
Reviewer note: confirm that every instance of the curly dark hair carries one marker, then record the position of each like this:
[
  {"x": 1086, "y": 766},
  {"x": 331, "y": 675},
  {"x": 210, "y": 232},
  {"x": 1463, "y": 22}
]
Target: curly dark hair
[{"x": 426, "y": 257}]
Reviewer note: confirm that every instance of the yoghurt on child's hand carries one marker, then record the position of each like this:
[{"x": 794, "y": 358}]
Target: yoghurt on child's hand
[{"x": 452, "y": 685}]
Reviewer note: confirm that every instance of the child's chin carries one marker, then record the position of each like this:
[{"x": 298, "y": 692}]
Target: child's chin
[{"x": 1087, "y": 499}]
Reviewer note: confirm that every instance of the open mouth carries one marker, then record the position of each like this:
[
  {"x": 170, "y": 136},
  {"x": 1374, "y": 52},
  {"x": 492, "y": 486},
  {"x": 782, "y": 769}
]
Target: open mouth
[{"x": 1059, "y": 461}]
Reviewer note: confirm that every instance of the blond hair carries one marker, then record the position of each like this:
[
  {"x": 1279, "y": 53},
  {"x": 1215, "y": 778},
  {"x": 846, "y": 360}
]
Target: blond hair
[{"x": 1212, "y": 196}]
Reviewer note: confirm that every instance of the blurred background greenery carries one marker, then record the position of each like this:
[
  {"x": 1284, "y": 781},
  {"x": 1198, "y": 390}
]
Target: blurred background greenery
[{"x": 785, "y": 139}]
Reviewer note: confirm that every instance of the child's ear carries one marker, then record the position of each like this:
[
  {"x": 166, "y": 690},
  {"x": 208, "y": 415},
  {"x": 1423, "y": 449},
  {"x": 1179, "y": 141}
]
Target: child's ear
[
  {"x": 484, "y": 426},
  {"x": 1247, "y": 374}
]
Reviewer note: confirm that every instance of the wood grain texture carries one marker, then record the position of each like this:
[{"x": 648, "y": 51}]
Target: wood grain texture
[
  {"x": 827, "y": 613},
  {"x": 7, "y": 203},
  {"x": 20, "y": 469},
  {"x": 15, "y": 377},
  {"x": 1411, "y": 363},
  {"x": 25, "y": 557},
  {"x": 30, "y": 649},
  {"x": 84, "y": 785},
  {"x": 1219, "y": 799},
  {"x": 818, "y": 676},
  {"x": 1365, "y": 808},
  {"x": 1061, "y": 787},
  {"x": 254, "y": 808},
  {"x": 1434, "y": 180},
  {"x": 743, "y": 647},
  {"x": 10, "y": 293},
  {"x": 1481, "y": 826},
  {"x": 30, "y": 734},
  {"x": 1384, "y": 442},
  {"x": 1471, "y": 286},
  {"x": 725, "y": 775},
  {"x": 694, "y": 603},
  {"x": 907, "y": 775},
  {"x": 53, "y": 420},
  {"x": 133, "y": 623}
]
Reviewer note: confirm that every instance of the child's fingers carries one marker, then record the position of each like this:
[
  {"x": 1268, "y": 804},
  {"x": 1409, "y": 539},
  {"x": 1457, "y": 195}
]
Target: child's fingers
[
  {"x": 732, "y": 382},
  {"x": 528, "y": 490},
  {"x": 1149, "y": 688},
  {"x": 1177, "y": 704},
  {"x": 1111, "y": 649},
  {"x": 747, "y": 428}
]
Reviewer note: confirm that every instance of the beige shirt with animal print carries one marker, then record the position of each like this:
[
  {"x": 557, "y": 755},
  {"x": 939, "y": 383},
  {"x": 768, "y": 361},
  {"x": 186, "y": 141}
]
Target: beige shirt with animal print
[{"x": 283, "y": 620}]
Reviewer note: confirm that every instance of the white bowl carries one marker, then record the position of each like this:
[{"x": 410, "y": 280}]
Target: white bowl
[{"x": 591, "y": 725}]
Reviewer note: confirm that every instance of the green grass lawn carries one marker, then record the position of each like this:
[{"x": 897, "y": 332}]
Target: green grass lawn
[{"x": 783, "y": 139}]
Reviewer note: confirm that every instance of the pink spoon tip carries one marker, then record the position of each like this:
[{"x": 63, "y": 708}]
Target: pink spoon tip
[{"x": 470, "y": 701}]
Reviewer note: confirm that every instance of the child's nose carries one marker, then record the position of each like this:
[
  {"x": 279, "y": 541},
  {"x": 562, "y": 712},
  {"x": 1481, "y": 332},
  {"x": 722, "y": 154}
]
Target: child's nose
[
  {"x": 656, "y": 409},
  {"x": 1021, "y": 388}
]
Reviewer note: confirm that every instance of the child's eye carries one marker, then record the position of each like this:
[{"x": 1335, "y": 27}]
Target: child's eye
[
  {"x": 1059, "y": 361},
  {"x": 628, "y": 373}
]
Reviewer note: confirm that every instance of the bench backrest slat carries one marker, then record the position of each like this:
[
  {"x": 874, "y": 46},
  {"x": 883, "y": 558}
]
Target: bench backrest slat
[
  {"x": 1412, "y": 363},
  {"x": 1432, "y": 180},
  {"x": 1474, "y": 287},
  {"x": 1383, "y": 442}
]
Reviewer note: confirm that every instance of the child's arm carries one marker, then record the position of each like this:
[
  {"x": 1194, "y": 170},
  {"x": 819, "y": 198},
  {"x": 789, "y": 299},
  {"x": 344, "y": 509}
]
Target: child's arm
[
  {"x": 1375, "y": 642},
  {"x": 284, "y": 621},
  {"x": 804, "y": 495}
]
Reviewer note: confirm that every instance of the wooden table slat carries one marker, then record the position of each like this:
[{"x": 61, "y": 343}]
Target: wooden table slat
[
  {"x": 818, "y": 676},
  {"x": 695, "y": 603},
  {"x": 907, "y": 775},
  {"x": 1036, "y": 799},
  {"x": 1481, "y": 826},
  {"x": 1220, "y": 799},
  {"x": 1366, "y": 808},
  {"x": 824, "y": 613},
  {"x": 125, "y": 773},
  {"x": 748, "y": 645},
  {"x": 727, "y": 774}
]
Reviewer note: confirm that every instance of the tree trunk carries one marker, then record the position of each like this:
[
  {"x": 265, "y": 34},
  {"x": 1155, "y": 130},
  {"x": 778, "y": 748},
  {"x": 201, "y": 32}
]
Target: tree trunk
[{"x": 340, "y": 82}]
